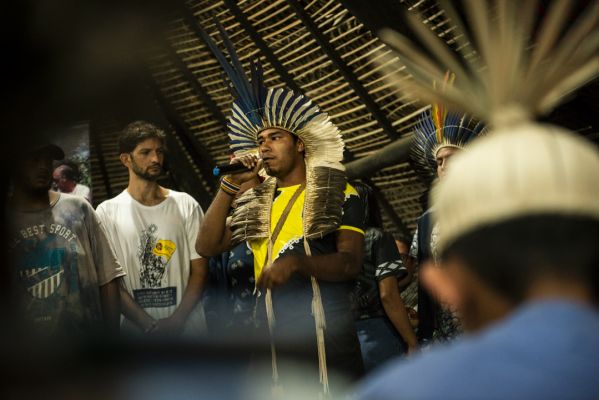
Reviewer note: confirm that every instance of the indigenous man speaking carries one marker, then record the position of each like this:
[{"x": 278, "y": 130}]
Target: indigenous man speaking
[{"x": 303, "y": 223}]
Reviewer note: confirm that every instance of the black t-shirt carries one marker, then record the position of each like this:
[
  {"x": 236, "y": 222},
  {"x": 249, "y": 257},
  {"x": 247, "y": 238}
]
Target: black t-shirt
[{"x": 381, "y": 260}]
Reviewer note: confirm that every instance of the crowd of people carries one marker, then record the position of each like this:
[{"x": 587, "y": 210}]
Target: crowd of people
[{"x": 498, "y": 291}]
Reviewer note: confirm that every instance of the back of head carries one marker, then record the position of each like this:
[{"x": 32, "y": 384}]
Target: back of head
[
  {"x": 135, "y": 133},
  {"x": 521, "y": 205},
  {"x": 68, "y": 170}
]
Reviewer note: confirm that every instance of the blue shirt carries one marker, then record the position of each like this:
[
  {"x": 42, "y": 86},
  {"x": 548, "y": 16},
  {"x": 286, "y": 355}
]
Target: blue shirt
[{"x": 544, "y": 350}]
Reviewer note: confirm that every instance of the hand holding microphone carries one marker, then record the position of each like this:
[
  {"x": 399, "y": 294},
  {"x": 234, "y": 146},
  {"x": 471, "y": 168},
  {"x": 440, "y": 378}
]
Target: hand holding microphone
[
  {"x": 239, "y": 167},
  {"x": 240, "y": 171},
  {"x": 229, "y": 169}
]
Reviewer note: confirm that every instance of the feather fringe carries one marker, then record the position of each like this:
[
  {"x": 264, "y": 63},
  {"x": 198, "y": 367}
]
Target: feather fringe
[
  {"x": 323, "y": 205},
  {"x": 324, "y": 198},
  {"x": 251, "y": 214},
  {"x": 517, "y": 73}
]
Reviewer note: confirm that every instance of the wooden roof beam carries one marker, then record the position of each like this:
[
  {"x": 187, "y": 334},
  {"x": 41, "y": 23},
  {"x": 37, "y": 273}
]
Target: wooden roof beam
[
  {"x": 347, "y": 73},
  {"x": 199, "y": 155},
  {"x": 197, "y": 88},
  {"x": 249, "y": 29}
]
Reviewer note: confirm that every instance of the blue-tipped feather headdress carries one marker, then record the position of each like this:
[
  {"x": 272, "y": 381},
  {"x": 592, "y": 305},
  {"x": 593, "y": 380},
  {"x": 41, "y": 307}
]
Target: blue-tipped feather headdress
[
  {"x": 257, "y": 108},
  {"x": 437, "y": 129}
]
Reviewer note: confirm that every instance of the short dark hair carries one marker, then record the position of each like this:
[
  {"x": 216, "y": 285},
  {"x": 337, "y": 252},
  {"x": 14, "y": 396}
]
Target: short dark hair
[
  {"x": 68, "y": 172},
  {"x": 510, "y": 256},
  {"x": 135, "y": 133}
]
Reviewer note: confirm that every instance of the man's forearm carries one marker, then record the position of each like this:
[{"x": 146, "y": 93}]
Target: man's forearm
[
  {"x": 212, "y": 238},
  {"x": 193, "y": 291},
  {"x": 343, "y": 265},
  {"x": 111, "y": 307},
  {"x": 133, "y": 312},
  {"x": 335, "y": 267},
  {"x": 396, "y": 310},
  {"x": 401, "y": 321}
]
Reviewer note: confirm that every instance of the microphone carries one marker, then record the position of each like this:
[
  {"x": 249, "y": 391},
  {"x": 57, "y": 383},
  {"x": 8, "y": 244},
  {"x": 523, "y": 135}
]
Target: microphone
[{"x": 227, "y": 169}]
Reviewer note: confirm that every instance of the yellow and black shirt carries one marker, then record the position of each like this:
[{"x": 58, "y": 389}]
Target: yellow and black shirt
[
  {"x": 292, "y": 301},
  {"x": 290, "y": 239}
]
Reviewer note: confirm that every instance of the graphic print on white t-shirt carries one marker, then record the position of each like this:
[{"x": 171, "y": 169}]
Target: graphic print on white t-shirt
[{"x": 154, "y": 255}]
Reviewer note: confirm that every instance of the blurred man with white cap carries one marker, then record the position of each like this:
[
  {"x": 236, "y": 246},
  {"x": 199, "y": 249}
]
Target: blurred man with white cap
[
  {"x": 519, "y": 260},
  {"x": 518, "y": 212}
]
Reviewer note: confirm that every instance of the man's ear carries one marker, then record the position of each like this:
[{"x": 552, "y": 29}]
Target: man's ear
[
  {"x": 440, "y": 284},
  {"x": 125, "y": 159},
  {"x": 300, "y": 145}
]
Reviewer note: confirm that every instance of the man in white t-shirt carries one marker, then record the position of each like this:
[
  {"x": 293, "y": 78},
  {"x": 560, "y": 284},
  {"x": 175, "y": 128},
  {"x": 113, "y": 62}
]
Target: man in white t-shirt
[
  {"x": 153, "y": 231},
  {"x": 65, "y": 181}
]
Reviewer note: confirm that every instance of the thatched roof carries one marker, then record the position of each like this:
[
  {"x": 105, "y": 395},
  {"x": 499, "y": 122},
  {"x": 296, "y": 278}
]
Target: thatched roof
[{"x": 317, "y": 47}]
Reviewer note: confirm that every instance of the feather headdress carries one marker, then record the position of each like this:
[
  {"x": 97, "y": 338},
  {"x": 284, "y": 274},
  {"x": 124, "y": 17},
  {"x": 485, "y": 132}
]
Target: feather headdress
[
  {"x": 257, "y": 108},
  {"x": 432, "y": 134},
  {"x": 438, "y": 128},
  {"x": 509, "y": 73}
]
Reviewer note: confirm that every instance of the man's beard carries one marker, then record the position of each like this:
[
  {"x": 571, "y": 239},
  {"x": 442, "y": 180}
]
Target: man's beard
[
  {"x": 145, "y": 174},
  {"x": 269, "y": 171}
]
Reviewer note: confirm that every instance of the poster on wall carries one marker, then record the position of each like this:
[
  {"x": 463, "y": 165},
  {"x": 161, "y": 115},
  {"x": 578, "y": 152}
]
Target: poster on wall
[{"x": 73, "y": 174}]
